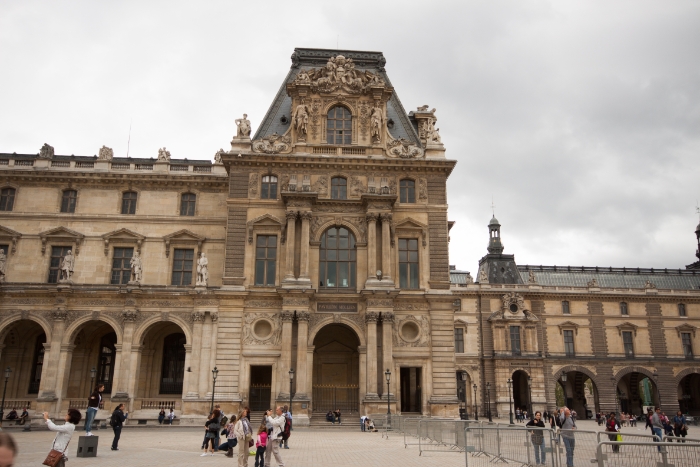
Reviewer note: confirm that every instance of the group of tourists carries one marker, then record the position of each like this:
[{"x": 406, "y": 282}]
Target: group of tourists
[
  {"x": 334, "y": 416},
  {"x": 21, "y": 419},
  {"x": 661, "y": 425},
  {"x": 520, "y": 415}
]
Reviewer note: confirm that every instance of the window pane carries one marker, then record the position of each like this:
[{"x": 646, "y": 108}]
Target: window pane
[
  {"x": 271, "y": 268},
  {"x": 403, "y": 275},
  {"x": 259, "y": 272},
  {"x": 414, "y": 276}
]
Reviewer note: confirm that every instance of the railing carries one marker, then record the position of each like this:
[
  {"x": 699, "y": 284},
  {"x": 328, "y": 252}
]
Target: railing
[
  {"x": 339, "y": 150},
  {"x": 118, "y": 166},
  {"x": 82, "y": 404},
  {"x": 179, "y": 168},
  {"x": 4, "y": 162},
  {"x": 202, "y": 168},
  {"x": 60, "y": 163},
  {"x": 144, "y": 167},
  {"x": 345, "y": 398},
  {"x": 171, "y": 387},
  {"x": 623, "y": 454},
  {"x": 29, "y": 163},
  {"x": 17, "y": 404},
  {"x": 157, "y": 404},
  {"x": 84, "y": 165}
]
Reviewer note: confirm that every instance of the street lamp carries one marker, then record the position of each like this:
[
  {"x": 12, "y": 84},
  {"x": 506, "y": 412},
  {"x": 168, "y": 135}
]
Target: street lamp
[
  {"x": 463, "y": 392},
  {"x": 291, "y": 381},
  {"x": 510, "y": 398},
  {"x": 93, "y": 373},
  {"x": 8, "y": 370},
  {"x": 656, "y": 383},
  {"x": 529, "y": 396},
  {"x": 215, "y": 373},
  {"x": 387, "y": 374},
  {"x": 488, "y": 398},
  {"x": 476, "y": 407}
]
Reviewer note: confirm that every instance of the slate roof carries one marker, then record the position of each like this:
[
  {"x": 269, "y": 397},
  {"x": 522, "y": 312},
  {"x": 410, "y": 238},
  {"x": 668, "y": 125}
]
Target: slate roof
[
  {"x": 317, "y": 58},
  {"x": 458, "y": 277},
  {"x": 133, "y": 160}
]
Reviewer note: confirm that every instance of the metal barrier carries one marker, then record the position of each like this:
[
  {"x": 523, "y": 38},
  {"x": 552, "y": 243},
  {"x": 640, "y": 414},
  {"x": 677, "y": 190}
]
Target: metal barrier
[
  {"x": 442, "y": 435},
  {"x": 410, "y": 431},
  {"x": 505, "y": 444},
  {"x": 614, "y": 454},
  {"x": 627, "y": 437},
  {"x": 671, "y": 439},
  {"x": 575, "y": 447}
]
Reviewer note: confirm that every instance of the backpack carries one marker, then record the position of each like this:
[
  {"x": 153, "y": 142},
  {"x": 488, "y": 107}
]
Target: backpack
[
  {"x": 224, "y": 420},
  {"x": 287, "y": 428},
  {"x": 214, "y": 427}
]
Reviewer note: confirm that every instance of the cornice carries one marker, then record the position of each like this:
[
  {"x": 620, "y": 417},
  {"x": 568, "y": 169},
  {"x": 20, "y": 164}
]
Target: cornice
[{"x": 174, "y": 179}]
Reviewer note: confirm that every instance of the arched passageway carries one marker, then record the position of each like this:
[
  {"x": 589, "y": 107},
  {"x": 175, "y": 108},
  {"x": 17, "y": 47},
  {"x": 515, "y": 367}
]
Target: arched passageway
[
  {"x": 23, "y": 353},
  {"x": 689, "y": 394},
  {"x": 521, "y": 390},
  {"x": 336, "y": 369},
  {"x": 635, "y": 391},
  {"x": 579, "y": 393},
  {"x": 94, "y": 349},
  {"x": 161, "y": 369}
]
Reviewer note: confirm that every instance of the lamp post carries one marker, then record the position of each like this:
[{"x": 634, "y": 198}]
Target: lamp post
[
  {"x": 656, "y": 383},
  {"x": 93, "y": 373},
  {"x": 488, "y": 398},
  {"x": 291, "y": 381},
  {"x": 510, "y": 398},
  {"x": 463, "y": 391},
  {"x": 476, "y": 407},
  {"x": 387, "y": 374},
  {"x": 8, "y": 370},
  {"x": 215, "y": 373},
  {"x": 529, "y": 396}
]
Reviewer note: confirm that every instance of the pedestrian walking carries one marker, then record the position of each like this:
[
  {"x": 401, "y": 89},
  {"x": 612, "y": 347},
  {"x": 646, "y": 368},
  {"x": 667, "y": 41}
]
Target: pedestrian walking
[
  {"x": 161, "y": 416},
  {"x": 657, "y": 426},
  {"x": 64, "y": 433},
  {"x": 117, "y": 421},
  {"x": 680, "y": 427},
  {"x": 277, "y": 422},
  {"x": 567, "y": 435},
  {"x": 260, "y": 445},
  {"x": 244, "y": 437},
  {"x": 211, "y": 427},
  {"x": 231, "y": 441},
  {"x": 94, "y": 402},
  {"x": 8, "y": 450},
  {"x": 648, "y": 421},
  {"x": 537, "y": 438},
  {"x": 517, "y": 414},
  {"x": 613, "y": 428}
]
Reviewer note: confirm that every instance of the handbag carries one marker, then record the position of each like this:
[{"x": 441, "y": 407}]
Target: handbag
[
  {"x": 54, "y": 456},
  {"x": 619, "y": 438},
  {"x": 251, "y": 443}
]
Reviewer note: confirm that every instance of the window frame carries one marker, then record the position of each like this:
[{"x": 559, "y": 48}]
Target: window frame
[
  {"x": 63, "y": 201},
  {"x": 687, "y": 346},
  {"x": 569, "y": 346},
  {"x": 682, "y": 310},
  {"x": 266, "y": 185},
  {"x": 629, "y": 352},
  {"x": 624, "y": 309},
  {"x": 8, "y": 196},
  {"x": 266, "y": 261},
  {"x": 410, "y": 265},
  {"x": 57, "y": 268},
  {"x": 190, "y": 203},
  {"x": 565, "y": 307},
  {"x": 324, "y": 262},
  {"x": 410, "y": 191},
  {"x": 338, "y": 187},
  {"x": 459, "y": 332},
  {"x": 135, "y": 203},
  {"x": 345, "y": 139},
  {"x": 515, "y": 331},
  {"x": 126, "y": 265},
  {"x": 184, "y": 270}
]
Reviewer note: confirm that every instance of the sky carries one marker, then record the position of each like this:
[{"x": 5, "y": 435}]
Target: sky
[{"x": 578, "y": 120}]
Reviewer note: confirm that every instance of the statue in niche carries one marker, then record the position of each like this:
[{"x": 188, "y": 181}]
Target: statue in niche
[
  {"x": 66, "y": 267},
  {"x": 136, "y": 268},
  {"x": 163, "y": 155},
  {"x": 243, "y": 125},
  {"x": 301, "y": 119},
  {"x": 376, "y": 119},
  {"x": 3, "y": 263},
  {"x": 202, "y": 270}
]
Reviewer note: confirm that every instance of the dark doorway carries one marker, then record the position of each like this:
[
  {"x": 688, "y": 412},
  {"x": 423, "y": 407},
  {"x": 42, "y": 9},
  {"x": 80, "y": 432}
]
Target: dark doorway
[
  {"x": 521, "y": 391},
  {"x": 260, "y": 387},
  {"x": 173, "y": 368},
  {"x": 411, "y": 390},
  {"x": 689, "y": 390},
  {"x": 336, "y": 372},
  {"x": 105, "y": 369}
]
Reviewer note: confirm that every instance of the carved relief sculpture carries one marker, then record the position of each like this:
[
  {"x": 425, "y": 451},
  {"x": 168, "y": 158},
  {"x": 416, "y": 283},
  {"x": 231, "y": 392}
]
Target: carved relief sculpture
[
  {"x": 46, "y": 151},
  {"x": 483, "y": 277},
  {"x": 218, "y": 156},
  {"x": 243, "y": 127},
  {"x": 301, "y": 120},
  {"x": 105, "y": 153},
  {"x": 422, "y": 189},
  {"x": 532, "y": 279},
  {"x": 66, "y": 267},
  {"x": 273, "y": 144},
  {"x": 3, "y": 266},
  {"x": 339, "y": 73},
  {"x": 404, "y": 149},
  {"x": 136, "y": 268},
  {"x": 202, "y": 271},
  {"x": 592, "y": 283},
  {"x": 376, "y": 119},
  {"x": 253, "y": 185},
  {"x": 321, "y": 186},
  {"x": 649, "y": 285},
  {"x": 163, "y": 155}
]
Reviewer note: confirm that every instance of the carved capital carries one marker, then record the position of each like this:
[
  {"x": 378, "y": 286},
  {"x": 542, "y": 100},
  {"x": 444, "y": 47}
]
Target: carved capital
[
  {"x": 59, "y": 315},
  {"x": 197, "y": 316},
  {"x": 287, "y": 316},
  {"x": 386, "y": 217},
  {"x": 291, "y": 215},
  {"x": 306, "y": 215},
  {"x": 371, "y": 317},
  {"x": 302, "y": 316},
  {"x": 371, "y": 217},
  {"x": 388, "y": 317},
  {"x": 214, "y": 317}
]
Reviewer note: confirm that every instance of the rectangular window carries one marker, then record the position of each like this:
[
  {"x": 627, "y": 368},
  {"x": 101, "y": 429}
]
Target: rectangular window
[
  {"x": 515, "y": 340},
  {"x": 7, "y": 199},
  {"x": 408, "y": 263},
  {"x": 121, "y": 265},
  {"x": 57, "y": 254},
  {"x": 265, "y": 260},
  {"x": 569, "y": 343},
  {"x": 687, "y": 345},
  {"x": 565, "y": 308},
  {"x": 187, "y": 204},
  {"x": 182, "y": 267},
  {"x": 459, "y": 340},
  {"x": 623, "y": 309},
  {"x": 129, "y": 202},
  {"x": 628, "y": 342},
  {"x": 68, "y": 201},
  {"x": 407, "y": 191},
  {"x": 681, "y": 309}
]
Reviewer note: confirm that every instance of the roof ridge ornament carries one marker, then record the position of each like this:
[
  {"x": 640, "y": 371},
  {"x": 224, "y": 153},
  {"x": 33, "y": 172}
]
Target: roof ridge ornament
[{"x": 339, "y": 73}]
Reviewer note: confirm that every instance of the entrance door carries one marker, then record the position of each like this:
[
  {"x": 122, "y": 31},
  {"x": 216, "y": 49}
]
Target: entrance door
[
  {"x": 260, "y": 387},
  {"x": 411, "y": 390},
  {"x": 336, "y": 369}
]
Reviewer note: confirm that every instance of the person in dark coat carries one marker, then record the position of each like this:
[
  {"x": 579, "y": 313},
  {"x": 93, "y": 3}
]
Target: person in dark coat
[{"x": 117, "y": 421}]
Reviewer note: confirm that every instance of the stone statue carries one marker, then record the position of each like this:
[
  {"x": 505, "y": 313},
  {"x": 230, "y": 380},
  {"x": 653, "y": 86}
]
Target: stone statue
[
  {"x": 3, "y": 263},
  {"x": 593, "y": 282},
  {"x": 649, "y": 285},
  {"x": 135, "y": 268},
  {"x": 217, "y": 157},
  {"x": 376, "y": 124},
  {"x": 163, "y": 154},
  {"x": 243, "y": 125},
  {"x": 531, "y": 278},
  {"x": 66, "y": 267},
  {"x": 301, "y": 119},
  {"x": 46, "y": 151},
  {"x": 469, "y": 279},
  {"x": 483, "y": 277},
  {"x": 105, "y": 153},
  {"x": 202, "y": 270}
]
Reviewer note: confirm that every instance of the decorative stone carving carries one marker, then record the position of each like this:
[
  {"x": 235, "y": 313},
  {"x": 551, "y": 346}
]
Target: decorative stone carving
[
  {"x": 202, "y": 271},
  {"x": 105, "y": 153},
  {"x": 218, "y": 156},
  {"x": 163, "y": 155},
  {"x": 130, "y": 316},
  {"x": 357, "y": 188},
  {"x": 412, "y": 331},
  {"x": 321, "y": 186},
  {"x": 197, "y": 316},
  {"x": 532, "y": 279},
  {"x": 66, "y": 267},
  {"x": 295, "y": 301},
  {"x": 376, "y": 123},
  {"x": 262, "y": 329},
  {"x": 59, "y": 315},
  {"x": 408, "y": 306},
  {"x": 422, "y": 189},
  {"x": 404, "y": 149},
  {"x": 338, "y": 74},
  {"x": 371, "y": 317},
  {"x": 649, "y": 285},
  {"x": 511, "y": 300},
  {"x": 136, "y": 268},
  {"x": 287, "y": 316},
  {"x": 253, "y": 185},
  {"x": 243, "y": 127},
  {"x": 483, "y": 277},
  {"x": 360, "y": 224},
  {"x": 316, "y": 224},
  {"x": 263, "y": 304},
  {"x": 301, "y": 118},
  {"x": 303, "y": 316},
  {"x": 427, "y": 130},
  {"x": 46, "y": 151},
  {"x": 592, "y": 283},
  {"x": 214, "y": 317},
  {"x": 380, "y": 302},
  {"x": 273, "y": 144},
  {"x": 3, "y": 266},
  {"x": 388, "y": 317},
  {"x": 469, "y": 279}
]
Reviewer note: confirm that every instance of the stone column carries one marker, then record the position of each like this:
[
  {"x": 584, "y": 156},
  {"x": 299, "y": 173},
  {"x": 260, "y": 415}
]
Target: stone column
[
  {"x": 286, "y": 358},
  {"x": 371, "y": 246},
  {"x": 49, "y": 389},
  {"x": 289, "y": 242},
  {"x": 305, "y": 221},
  {"x": 193, "y": 380},
  {"x": 123, "y": 371},
  {"x": 204, "y": 359},
  {"x": 187, "y": 378},
  {"x": 387, "y": 348},
  {"x": 386, "y": 247},
  {"x": 371, "y": 320},
  {"x": 302, "y": 344}
]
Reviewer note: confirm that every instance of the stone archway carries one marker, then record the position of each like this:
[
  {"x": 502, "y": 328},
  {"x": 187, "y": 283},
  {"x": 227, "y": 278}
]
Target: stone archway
[
  {"x": 521, "y": 390},
  {"x": 636, "y": 389},
  {"x": 689, "y": 391},
  {"x": 580, "y": 391},
  {"x": 23, "y": 348},
  {"x": 336, "y": 369}
]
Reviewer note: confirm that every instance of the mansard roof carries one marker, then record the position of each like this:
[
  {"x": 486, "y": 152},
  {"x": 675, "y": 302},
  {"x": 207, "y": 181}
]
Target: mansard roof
[{"x": 303, "y": 58}]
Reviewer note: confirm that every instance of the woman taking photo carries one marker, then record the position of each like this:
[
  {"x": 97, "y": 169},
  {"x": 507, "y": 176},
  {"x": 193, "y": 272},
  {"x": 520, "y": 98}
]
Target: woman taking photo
[{"x": 65, "y": 432}]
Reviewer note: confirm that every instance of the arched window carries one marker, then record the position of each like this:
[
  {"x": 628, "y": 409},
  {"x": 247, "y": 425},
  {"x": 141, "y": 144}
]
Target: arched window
[
  {"x": 37, "y": 364},
  {"x": 268, "y": 190},
  {"x": 187, "y": 202},
  {"x": 7, "y": 199},
  {"x": 173, "y": 370},
  {"x": 407, "y": 191},
  {"x": 337, "y": 259},
  {"x": 105, "y": 371},
  {"x": 339, "y": 188},
  {"x": 339, "y": 126},
  {"x": 129, "y": 202},
  {"x": 68, "y": 200}
]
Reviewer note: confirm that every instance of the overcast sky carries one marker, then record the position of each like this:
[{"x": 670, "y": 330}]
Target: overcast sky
[{"x": 580, "y": 118}]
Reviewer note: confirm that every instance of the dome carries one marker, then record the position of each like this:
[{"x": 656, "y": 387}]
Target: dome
[{"x": 494, "y": 221}]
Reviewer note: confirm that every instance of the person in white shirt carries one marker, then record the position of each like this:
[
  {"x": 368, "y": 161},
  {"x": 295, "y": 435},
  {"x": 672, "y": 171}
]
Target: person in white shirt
[
  {"x": 275, "y": 439},
  {"x": 65, "y": 432}
]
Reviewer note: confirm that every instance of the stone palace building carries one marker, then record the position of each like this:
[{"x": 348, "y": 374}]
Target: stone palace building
[{"x": 310, "y": 262}]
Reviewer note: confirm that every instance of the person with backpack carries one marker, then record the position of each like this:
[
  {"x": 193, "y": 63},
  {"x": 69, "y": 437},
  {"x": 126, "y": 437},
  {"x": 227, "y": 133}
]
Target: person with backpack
[
  {"x": 117, "y": 421},
  {"x": 212, "y": 428},
  {"x": 273, "y": 443},
  {"x": 287, "y": 427},
  {"x": 613, "y": 428}
]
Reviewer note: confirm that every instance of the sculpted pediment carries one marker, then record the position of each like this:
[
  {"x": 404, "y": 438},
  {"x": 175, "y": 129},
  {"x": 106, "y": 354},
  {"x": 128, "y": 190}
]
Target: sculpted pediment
[
  {"x": 61, "y": 234},
  {"x": 11, "y": 235},
  {"x": 686, "y": 328},
  {"x": 338, "y": 75},
  {"x": 183, "y": 237},
  {"x": 122, "y": 236}
]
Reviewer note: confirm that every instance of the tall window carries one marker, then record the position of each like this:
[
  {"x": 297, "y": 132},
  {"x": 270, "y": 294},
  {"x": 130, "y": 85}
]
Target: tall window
[
  {"x": 408, "y": 263},
  {"x": 339, "y": 126},
  {"x": 121, "y": 265},
  {"x": 182, "y": 267},
  {"x": 7, "y": 199},
  {"x": 268, "y": 189},
  {"x": 565, "y": 308},
  {"x": 623, "y": 309},
  {"x": 337, "y": 258},
  {"x": 628, "y": 342},
  {"x": 459, "y": 340},
  {"x": 569, "y": 343},
  {"x": 339, "y": 188},
  {"x": 129, "y": 202},
  {"x": 173, "y": 370},
  {"x": 265, "y": 259},
  {"x": 68, "y": 200},
  {"x": 37, "y": 364},
  {"x": 187, "y": 203},
  {"x": 515, "y": 340},
  {"x": 57, "y": 254},
  {"x": 407, "y": 191},
  {"x": 687, "y": 345},
  {"x": 681, "y": 309},
  {"x": 105, "y": 372}
]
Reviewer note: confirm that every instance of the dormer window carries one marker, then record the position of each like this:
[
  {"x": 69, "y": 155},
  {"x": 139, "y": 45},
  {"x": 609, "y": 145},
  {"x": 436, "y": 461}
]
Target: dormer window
[{"x": 339, "y": 126}]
